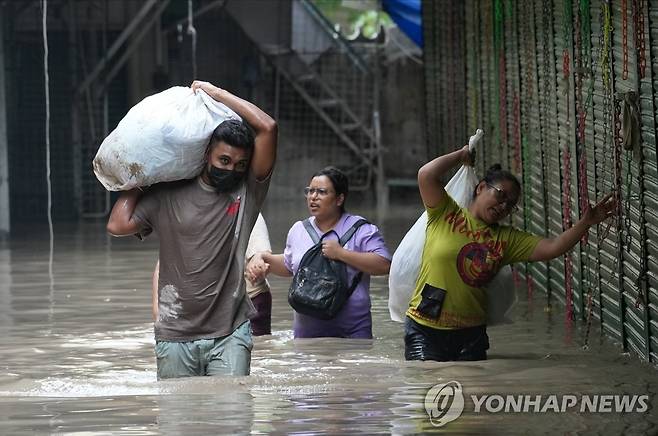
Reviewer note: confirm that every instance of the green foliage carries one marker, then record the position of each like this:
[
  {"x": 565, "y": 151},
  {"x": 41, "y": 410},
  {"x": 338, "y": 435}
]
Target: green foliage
[{"x": 351, "y": 21}]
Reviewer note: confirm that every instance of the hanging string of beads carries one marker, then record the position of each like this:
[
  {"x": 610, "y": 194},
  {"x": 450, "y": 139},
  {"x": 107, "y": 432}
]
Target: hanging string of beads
[
  {"x": 608, "y": 121},
  {"x": 566, "y": 224},
  {"x": 566, "y": 158},
  {"x": 544, "y": 115},
  {"x": 580, "y": 53},
  {"x": 528, "y": 48},
  {"x": 628, "y": 184},
  {"x": 617, "y": 152},
  {"x": 604, "y": 60},
  {"x": 640, "y": 41},
  {"x": 603, "y": 185},
  {"x": 527, "y": 36},
  {"x": 583, "y": 65},
  {"x": 608, "y": 112},
  {"x": 586, "y": 25},
  {"x": 516, "y": 107},
  {"x": 474, "y": 85},
  {"x": 499, "y": 49},
  {"x": 529, "y": 56},
  {"x": 624, "y": 33},
  {"x": 642, "y": 279}
]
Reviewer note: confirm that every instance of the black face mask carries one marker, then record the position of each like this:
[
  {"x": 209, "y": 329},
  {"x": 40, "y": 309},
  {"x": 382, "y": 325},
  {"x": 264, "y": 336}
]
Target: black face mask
[{"x": 224, "y": 180}]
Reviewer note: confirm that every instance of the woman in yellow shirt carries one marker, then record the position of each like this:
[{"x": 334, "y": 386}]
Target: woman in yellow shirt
[{"x": 464, "y": 249}]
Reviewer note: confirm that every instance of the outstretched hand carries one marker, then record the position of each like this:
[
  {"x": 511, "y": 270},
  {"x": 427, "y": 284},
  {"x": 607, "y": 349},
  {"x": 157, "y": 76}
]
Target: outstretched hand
[{"x": 603, "y": 210}]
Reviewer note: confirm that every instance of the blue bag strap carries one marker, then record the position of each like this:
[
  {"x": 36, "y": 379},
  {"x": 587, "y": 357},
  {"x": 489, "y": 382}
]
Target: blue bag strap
[
  {"x": 311, "y": 231},
  {"x": 352, "y": 230}
]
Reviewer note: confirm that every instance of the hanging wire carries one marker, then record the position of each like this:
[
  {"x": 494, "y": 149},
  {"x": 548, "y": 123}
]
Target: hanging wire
[
  {"x": 44, "y": 10},
  {"x": 192, "y": 31}
]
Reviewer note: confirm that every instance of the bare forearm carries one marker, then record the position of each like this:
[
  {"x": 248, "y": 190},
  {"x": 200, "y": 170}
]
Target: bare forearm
[
  {"x": 570, "y": 237},
  {"x": 121, "y": 221},
  {"x": 277, "y": 265},
  {"x": 252, "y": 114},
  {"x": 369, "y": 263},
  {"x": 435, "y": 169},
  {"x": 430, "y": 175},
  {"x": 548, "y": 249},
  {"x": 264, "y": 126}
]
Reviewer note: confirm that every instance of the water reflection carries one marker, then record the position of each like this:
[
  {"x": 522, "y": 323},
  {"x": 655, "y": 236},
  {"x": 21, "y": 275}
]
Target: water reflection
[
  {"x": 82, "y": 361},
  {"x": 6, "y": 319}
]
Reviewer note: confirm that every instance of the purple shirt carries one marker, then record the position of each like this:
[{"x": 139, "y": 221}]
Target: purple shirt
[{"x": 353, "y": 320}]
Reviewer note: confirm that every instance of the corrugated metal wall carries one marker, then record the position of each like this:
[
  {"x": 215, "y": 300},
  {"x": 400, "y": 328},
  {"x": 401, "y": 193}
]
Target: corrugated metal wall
[{"x": 560, "y": 87}]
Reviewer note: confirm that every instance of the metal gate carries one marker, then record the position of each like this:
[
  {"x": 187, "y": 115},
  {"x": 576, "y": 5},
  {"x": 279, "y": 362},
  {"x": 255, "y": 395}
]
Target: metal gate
[{"x": 561, "y": 87}]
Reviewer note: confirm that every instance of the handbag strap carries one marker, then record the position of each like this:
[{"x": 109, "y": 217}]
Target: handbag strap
[
  {"x": 355, "y": 283},
  {"x": 352, "y": 230},
  {"x": 342, "y": 241},
  {"x": 311, "y": 231}
]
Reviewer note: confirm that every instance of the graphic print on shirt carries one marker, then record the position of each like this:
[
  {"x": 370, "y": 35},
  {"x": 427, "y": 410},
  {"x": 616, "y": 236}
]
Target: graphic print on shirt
[
  {"x": 475, "y": 265},
  {"x": 169, "y": 305},
  {"x": 233, "y": 208},
  {"x": 477, "y": 261}
]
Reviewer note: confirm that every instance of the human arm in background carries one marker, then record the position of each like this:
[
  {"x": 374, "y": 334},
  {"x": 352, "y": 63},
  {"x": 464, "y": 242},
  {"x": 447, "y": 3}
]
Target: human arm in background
[{"x": 259, "y": 242}]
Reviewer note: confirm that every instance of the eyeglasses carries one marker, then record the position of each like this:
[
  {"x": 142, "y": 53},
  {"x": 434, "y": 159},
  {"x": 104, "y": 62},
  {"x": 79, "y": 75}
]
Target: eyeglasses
[
  {"x": 501, "y": 197},
  {"x": 322, "y": 192}
]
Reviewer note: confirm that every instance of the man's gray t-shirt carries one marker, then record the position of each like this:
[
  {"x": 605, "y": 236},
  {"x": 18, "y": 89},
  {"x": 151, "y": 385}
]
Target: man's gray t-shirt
[{"x": 201, "y": 291}]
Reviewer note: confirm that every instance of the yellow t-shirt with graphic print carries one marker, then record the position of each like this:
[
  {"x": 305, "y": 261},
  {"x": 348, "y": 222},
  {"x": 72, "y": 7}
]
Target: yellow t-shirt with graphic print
[{"x": 461, "y": 255}]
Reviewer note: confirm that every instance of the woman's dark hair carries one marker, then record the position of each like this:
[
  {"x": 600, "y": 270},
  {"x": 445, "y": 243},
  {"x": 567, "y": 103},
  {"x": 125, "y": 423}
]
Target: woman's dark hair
[
  {"x": 235, "y": 133},
  {"x": 338, "y": 180},
  {"x": 496, "y": 173}
]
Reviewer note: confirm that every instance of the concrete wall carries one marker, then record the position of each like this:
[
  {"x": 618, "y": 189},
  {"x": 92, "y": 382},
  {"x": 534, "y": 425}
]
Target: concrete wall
[{"x": 403, "y": 118}]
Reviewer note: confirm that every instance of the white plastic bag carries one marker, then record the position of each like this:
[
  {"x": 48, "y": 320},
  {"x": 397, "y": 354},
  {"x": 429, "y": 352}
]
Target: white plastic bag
[
  {"x": 501, "y": 297},
  {"x": 405, "y": 265},
  {"x": 162, "y": 138}
]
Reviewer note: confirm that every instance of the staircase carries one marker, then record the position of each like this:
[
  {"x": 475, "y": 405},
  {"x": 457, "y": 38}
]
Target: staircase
[{"x": 324, "y": 70}]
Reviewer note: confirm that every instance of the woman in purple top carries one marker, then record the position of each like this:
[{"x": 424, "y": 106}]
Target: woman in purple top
[{"x": 365, "y": 252}]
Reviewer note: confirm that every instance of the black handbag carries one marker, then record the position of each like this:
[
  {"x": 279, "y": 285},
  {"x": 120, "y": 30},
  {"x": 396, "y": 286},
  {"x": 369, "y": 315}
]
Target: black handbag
[{"x": 319, "y": 287}]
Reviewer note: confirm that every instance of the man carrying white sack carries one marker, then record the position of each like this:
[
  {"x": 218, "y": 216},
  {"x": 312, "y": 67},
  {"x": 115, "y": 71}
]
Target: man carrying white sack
[{"x": 204, "y": 225}]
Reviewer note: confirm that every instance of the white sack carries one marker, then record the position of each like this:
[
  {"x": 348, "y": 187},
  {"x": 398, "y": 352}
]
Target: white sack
[
  {"x": 405, "y": 265},
  {"x": 162, "y": 138}
]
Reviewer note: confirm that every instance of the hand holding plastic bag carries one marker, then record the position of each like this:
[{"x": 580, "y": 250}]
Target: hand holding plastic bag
[
  {"x": 463, "y": 183},
  {"x": 162, "y": 138}
]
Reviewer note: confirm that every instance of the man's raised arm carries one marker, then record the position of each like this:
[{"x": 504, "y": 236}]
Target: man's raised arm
[{"x": 264, "y": 126}]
